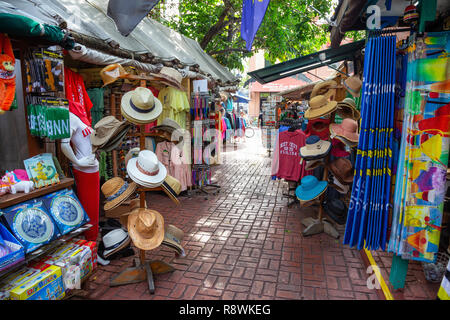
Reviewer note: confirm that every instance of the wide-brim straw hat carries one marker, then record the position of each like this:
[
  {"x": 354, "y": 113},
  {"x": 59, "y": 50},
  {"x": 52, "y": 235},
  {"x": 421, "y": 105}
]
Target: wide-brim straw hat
[
  {"x": 146, "y": 228},
  {"x": 105, "y": 129},
  {"x": 116, "y": 141},
  {"x": 146, "y": 169},
  {"x": 347, "y": 129},
  {"x": 347, "y": 109},
  {"x": 342, "y": 169},
  {"x": 310, "y": 188},
  {"x": 319, "y": 106},
  {"x": 140, "y": 106},
  {"x": 326, "y": 88},
  {"x": 353, "y": 85},
  {"x": 172, "y": 187},
  {"x": 116, "y": 191}
]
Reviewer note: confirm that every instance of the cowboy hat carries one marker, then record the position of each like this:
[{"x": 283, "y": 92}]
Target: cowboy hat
[
  {"x": 146, "y": 169},
  {"x": 342, "y": 189},
  {"x": 353, "y": 85},
  {"x": 347, "y": 109},
  {"x": 146, "y": 228},
  {"x": 347, "y": 129},
  {"x": 342, "y": 169},
  {"x": 105, "y": 129},
  {"x": 112, "y": 72},
  {"x": 310, "y": 188},
  {"x": 326, "y": 88},
  {"x": 336, "y": 210},
  {"x": 140, "y": 106},
  {"x": 315, "y": 148},
  {"x": 319, "y": 106},
  {"x": 170, "y": 77},
  {"x": 115, "y": 241},
  {"x": 116, "y": 191}
]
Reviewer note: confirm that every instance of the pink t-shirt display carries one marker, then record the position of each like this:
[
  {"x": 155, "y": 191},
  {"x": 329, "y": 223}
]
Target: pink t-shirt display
[{"x": 289, "y": 166}]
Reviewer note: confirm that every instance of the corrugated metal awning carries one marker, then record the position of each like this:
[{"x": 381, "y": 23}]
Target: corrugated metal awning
[{"x": 88, "y": 17}]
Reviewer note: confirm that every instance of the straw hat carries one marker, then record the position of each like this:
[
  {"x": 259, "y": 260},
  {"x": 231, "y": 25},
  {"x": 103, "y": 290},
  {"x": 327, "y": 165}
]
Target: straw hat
[
  {"x": 315, "y": 148},
  {"x": 170, "y": 77},
  {"x": 347, "y": 129},
  {"x": 342, "y": 169},
  {"x": 319, "y": 106},
  {"x": 310, "y": 188},
  {"x": 140, "y": 106},
  {"x": 353, "y": 85},
  {"x": 112, "y": 72},
  {"x": 146, "y": 228},
  {"x": 347, "y": 109},
  {"x": 105, "y": 129},
  {"x": 319, "y": 127},
  {"x": 132, "y": 153},
  {"x": 325, "y": 88},
  {"x": 146, "y": 169},
  {"x": 351, "y": 144},
  {"x": 172, "y": 187},
  {"x": 116, "y": 191}
]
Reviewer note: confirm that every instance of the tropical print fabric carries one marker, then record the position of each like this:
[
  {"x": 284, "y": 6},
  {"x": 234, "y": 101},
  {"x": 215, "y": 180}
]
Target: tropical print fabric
[{"x": 423, "y": 157}]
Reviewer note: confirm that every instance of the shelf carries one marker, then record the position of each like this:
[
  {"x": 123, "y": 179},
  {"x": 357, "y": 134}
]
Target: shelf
[
  {"x": 46, "y": 248},
  {"x": 12, "y": 199}
]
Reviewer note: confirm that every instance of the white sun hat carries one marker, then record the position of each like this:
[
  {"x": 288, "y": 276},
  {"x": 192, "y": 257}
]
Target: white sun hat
[{"x": 146, "y": 169}]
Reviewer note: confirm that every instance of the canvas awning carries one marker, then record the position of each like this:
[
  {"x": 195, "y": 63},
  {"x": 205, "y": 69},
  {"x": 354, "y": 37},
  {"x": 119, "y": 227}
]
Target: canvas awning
[
  {"x": 89, "y": 18},
  {"x": 350, "y": 51},
  {"x": 299, "y": 93}
]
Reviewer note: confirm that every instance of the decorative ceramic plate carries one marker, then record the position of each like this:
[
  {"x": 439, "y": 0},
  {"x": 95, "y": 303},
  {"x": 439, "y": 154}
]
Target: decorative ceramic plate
[
  {"x": 33, "y": 225},
  {"x": 67, "y": 210}
]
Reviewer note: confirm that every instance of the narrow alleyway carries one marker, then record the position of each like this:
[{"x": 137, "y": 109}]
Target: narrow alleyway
[{"x": 243, "y": 243}]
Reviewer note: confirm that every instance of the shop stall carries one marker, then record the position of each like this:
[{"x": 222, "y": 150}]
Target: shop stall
[
  {"x": 373, "y": 156},
  {"x": 104, "y": 128}
]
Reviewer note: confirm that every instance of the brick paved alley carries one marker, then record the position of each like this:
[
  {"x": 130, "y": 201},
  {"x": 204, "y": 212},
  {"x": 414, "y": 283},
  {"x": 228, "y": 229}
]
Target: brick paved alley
[{"x": 243, "y": 243}]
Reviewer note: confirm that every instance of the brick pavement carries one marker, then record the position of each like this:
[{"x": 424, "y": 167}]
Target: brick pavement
[{"x": 243, "y": 243}]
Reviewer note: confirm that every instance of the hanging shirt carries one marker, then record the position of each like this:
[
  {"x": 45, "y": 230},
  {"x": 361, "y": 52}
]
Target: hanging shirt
[
  {"x": 98, "y": 105},
  {"x": 81, "y": 142},
  {"x": 76, "y": 91},
  {"x": 175, "y": 105},
  {"x": 289, "y": 145}
]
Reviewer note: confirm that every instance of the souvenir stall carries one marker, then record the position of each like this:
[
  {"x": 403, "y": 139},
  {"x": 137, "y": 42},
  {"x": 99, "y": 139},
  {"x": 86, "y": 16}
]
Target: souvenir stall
[{"x": 47, "y": 231}]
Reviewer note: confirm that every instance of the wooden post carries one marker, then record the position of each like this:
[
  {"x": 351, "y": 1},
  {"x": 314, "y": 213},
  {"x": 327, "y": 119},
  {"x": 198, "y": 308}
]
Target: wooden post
[{"x": 114, "y": 152}]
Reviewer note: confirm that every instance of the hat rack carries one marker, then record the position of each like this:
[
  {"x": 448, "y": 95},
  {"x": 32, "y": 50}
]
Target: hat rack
[
  {"x": 321, "y": 224},
  {"x": 143, "y": 270}
]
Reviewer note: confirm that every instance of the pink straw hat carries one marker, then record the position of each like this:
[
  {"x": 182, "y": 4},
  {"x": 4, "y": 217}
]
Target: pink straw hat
[{"x": 347, "y": 129}]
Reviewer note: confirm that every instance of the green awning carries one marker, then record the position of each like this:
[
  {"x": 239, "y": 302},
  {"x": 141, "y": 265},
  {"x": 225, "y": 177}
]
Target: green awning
[{"x": 309, "y": 62}]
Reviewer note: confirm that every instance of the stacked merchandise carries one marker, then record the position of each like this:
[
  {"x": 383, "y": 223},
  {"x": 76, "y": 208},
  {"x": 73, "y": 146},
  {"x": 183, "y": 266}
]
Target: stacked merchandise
[
  {"x": 41, "y": 220},
  {"x": 422, "y": 166},
  {"x": 53, "y": 276},
  {"x": 368, "y": 210}
]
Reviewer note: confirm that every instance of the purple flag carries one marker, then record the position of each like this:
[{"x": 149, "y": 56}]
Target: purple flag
[
  {"x": 127, "y": 14},
  {"x": 253, "y": 12}
]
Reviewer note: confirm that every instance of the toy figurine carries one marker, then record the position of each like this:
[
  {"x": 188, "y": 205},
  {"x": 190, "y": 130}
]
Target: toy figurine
[{"x": 16, "y": 185}]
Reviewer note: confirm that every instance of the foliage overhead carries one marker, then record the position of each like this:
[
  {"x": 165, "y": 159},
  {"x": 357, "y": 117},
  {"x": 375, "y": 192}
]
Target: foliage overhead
[{"x": 289, "y": 29}]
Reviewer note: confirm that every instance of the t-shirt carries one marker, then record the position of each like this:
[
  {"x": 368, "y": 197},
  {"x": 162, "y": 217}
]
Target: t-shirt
[
  {"x": 289, "y": 145},
  {"x": 81, "y": 142}
]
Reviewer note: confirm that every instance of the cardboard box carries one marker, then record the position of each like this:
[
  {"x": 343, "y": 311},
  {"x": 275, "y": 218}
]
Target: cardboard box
[
  {"x": 14, "y": 280},
  {"x": 92, "y": 245},
  {"x": 46, "y": 285}
]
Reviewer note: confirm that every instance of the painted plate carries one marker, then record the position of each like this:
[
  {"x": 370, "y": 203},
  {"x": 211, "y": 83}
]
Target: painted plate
[
  {"x": 34, "y": 225},
  {"x": 67, "y": 210}
]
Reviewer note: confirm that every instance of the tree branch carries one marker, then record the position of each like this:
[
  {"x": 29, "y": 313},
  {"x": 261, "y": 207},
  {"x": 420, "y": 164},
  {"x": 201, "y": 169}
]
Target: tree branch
[
  {"x": 220, "y": 24},
  {"x": 227, "y": 50}
]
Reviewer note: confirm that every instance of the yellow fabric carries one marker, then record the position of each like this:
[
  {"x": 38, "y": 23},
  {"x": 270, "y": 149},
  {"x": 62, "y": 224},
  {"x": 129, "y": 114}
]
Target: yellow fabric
[{"x": 175, "y": 105}]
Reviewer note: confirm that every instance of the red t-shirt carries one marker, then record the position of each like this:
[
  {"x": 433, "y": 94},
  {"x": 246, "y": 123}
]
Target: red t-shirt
[
  {"x": 289, "y": 166},
  {"x": 76, "y": 91}
]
